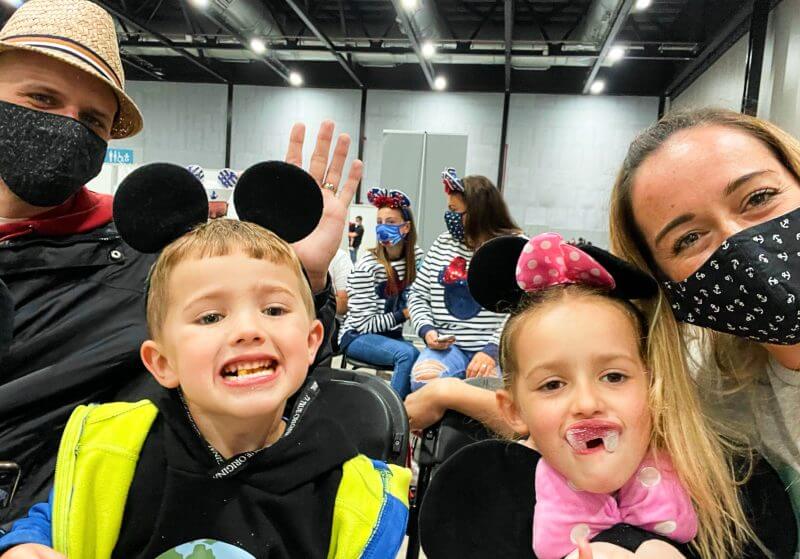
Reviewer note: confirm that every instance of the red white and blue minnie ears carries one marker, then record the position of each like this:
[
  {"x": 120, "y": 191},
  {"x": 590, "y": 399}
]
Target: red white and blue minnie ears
[
  {"x": 505, "y": 268},
  {"x": 158, "y": 203},
  {"x": 452, "y": 184},
  {"x": 6, "y": 320},
  {"x": 385, "y": 198}
]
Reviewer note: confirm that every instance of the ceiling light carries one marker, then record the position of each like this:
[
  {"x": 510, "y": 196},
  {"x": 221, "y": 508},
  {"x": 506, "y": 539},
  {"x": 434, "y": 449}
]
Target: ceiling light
[
  {"x": 616, "y": 54},
  {"x": 410, "y": 5},
  {"x": 428, "y": 49},
  {"x": 440, "y": 83},
  {"x": 202, "y": 4},
  {"x": 295, "y": 79},
  {"x": 258, "y": 46},
  {"x": 643, "y": 4},
  {"x": 597, "y": 87}
]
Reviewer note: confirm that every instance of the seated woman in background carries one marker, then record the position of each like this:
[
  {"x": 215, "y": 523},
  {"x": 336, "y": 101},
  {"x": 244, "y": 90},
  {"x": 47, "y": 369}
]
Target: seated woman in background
[
  {"x": 377, "y": 290},
  {"x": 461, "y": 337}
]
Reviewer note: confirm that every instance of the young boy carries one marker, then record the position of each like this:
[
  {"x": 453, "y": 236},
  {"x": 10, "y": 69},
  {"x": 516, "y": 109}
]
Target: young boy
[{"x": 220, "y": 463}]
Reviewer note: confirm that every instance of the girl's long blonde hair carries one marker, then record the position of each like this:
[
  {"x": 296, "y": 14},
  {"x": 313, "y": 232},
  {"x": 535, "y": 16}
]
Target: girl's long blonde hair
[
  {"x": 727, "y": 363},
  {"x": 699, "y": 454}
]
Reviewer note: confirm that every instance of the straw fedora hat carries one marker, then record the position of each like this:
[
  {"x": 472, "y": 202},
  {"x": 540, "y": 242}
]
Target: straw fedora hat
[{"x": 81, "y": 34}]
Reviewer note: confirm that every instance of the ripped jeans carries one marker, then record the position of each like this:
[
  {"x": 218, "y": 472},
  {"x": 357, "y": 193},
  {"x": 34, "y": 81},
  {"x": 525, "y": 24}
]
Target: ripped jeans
[{"x": 454, "y": 359}]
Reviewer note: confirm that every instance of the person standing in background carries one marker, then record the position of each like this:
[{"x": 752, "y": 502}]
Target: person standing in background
[{"x": 356, "y": 234}]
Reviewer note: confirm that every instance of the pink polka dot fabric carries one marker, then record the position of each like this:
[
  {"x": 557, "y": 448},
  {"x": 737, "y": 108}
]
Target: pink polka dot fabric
[
  {"x": 547, "y": 260},
  {"x": 652, "y": 499}
]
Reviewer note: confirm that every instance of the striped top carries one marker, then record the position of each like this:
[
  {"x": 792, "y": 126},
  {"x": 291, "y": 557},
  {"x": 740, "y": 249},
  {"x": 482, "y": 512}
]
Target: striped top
[
  {"x": 440, "y": 300},
  {"x": 369, "y": 308}
]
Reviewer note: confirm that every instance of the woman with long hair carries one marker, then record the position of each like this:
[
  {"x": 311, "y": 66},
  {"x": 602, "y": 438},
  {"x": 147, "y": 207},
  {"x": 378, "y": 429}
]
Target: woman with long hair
[
  {"x": 461, "y": 337},
  {"x": 377, "y": 290},
  {"x": 709, "y": 202}
]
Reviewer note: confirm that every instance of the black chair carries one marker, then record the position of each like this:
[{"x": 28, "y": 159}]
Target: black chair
[
  {"x": 381, "y": 371},
  {"x": 369, "y": 408},
  {"x": 439, "y": 442}
]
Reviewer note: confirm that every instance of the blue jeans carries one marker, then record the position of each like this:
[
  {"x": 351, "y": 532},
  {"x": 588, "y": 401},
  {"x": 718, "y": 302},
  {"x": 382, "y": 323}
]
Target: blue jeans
[
  {"x": 382, "y": 350},
  {"x": 454, "y": 359}
]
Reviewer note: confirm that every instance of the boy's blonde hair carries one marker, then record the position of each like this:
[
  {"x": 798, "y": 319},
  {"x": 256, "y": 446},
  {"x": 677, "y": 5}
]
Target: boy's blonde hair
[
  {"x": 700, "y": 455},
  {"x": 219, "y": 237}
]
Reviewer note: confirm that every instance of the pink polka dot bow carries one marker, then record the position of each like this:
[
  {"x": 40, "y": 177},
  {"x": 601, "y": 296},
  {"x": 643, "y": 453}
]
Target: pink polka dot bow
[{"x": 547, "y": 260}]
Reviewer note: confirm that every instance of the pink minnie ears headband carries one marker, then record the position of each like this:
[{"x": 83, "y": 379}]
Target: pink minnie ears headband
[
  {"x": 452, "y": 184},
  {"x": 385, "y": 198},
  {"x": 506, "y": 268}
]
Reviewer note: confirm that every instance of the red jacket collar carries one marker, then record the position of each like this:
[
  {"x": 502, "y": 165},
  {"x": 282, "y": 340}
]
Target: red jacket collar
[{"x": 83, "y": 212}]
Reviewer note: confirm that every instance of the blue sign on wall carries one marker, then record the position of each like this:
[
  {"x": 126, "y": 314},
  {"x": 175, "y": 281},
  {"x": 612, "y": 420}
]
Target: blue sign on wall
[{"x": 119, "y": 156}]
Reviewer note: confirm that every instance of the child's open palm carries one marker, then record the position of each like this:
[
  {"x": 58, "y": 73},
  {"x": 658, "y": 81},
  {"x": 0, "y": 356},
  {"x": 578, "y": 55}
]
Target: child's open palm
[{"x": 32, "y": 551}]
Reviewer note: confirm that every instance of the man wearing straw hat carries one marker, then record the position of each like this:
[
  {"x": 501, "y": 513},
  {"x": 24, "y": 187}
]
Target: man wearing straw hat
[{"x": 77, "y": 288}]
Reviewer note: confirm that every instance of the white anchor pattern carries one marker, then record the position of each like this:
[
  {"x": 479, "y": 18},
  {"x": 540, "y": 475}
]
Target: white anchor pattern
[{"x": 748, "y": 287}]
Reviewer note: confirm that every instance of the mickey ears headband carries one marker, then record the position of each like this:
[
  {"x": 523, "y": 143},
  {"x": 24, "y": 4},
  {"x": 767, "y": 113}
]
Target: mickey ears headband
[
  {"x": 505, "y": 268},
  {"x": 6, "y": 320},
  {"x": 452, "y": 184},
  {"x": 385, "y": 198},
  {"x": 158, "y": 203}
]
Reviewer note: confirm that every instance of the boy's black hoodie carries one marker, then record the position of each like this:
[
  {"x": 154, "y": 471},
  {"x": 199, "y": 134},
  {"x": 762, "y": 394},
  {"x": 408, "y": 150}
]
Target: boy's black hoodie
[{"x": 275, "y": 503}]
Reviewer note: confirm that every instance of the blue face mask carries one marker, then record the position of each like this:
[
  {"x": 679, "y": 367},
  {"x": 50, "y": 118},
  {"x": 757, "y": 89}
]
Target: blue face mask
[
  {"x": 455, "y": 224},
  {"x": 389, "y": 234}
]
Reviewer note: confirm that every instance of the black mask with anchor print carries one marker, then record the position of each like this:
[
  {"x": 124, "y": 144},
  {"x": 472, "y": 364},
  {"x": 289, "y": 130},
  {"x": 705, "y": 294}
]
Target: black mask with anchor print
[{"x": 749, "y": 287}]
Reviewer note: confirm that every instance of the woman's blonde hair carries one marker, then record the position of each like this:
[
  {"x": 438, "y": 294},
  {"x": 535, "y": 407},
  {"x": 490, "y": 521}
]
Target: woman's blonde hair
[
  {"x": 679, "y": 426},
  {"x": 727, "y": 363}
]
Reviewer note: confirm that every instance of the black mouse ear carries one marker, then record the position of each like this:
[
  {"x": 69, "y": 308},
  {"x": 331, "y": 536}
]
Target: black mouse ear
[
  {"x": 6, "y": 320},
  {"x": 156, "y": 204},
  {"x": 492, "y": 274},
  {"x": 631, "y": 282},
  {"x": 280, "y": 197}
]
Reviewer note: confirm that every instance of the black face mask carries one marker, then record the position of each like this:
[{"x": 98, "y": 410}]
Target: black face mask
[
  {"x": 46, "y": 158},
  {"x": 749, "y": 287}
]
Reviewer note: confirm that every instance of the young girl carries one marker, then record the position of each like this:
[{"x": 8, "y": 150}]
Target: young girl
[
  {"x": 617, "y": 447},
  {"x": 377, "y": 290}
]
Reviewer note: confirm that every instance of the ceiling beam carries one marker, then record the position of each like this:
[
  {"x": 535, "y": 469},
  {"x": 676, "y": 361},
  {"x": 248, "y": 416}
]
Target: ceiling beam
[
  {"x": 140, "y": 67},
  {"x": 325, "y": 40},
  {"x": 163, "y": 40},
  {"x": 716, "y": 47},
  {"x": 624, "y": 9},
  {"x": 648, "y": 51},
  {"x": 509, "y": 32},
  {"x": 411, "y": 32}
]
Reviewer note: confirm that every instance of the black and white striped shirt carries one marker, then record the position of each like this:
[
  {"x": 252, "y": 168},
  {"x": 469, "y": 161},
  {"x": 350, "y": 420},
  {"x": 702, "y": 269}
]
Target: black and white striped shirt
[
  {"x": 436, "y": 295},
  {"x": 369, "y": 309}
]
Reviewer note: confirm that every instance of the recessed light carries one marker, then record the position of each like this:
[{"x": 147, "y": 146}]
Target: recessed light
[
  {"x": 616, "y": 54},
  {"x": 410, "y": 5},
  {"x": 597, "y": 87},
  {"x": 295, "y": 79},
  {"x": 642, "y": 4},
  {"x": 202, "y": 4},
  {"x": 440, "y": 83},
  {"x": 258, "y": 46},
  {"x": 428, "y": 49}
]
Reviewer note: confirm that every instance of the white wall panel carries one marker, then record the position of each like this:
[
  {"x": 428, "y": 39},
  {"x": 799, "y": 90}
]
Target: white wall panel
[
  {"x": 479, "y": 115},
  {"x": 780, "y": 99},
  {"x": 263, "y": 118},
  {"x": 563, "y": 154},
  {"x": 183, "y": 123},
  {"x": 722, "y": 85}
]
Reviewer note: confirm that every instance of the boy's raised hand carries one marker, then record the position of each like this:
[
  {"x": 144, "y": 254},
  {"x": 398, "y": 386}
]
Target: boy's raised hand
[
  {"x": 32, "y": 551},
  {"x": 318, "y": 249}
]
